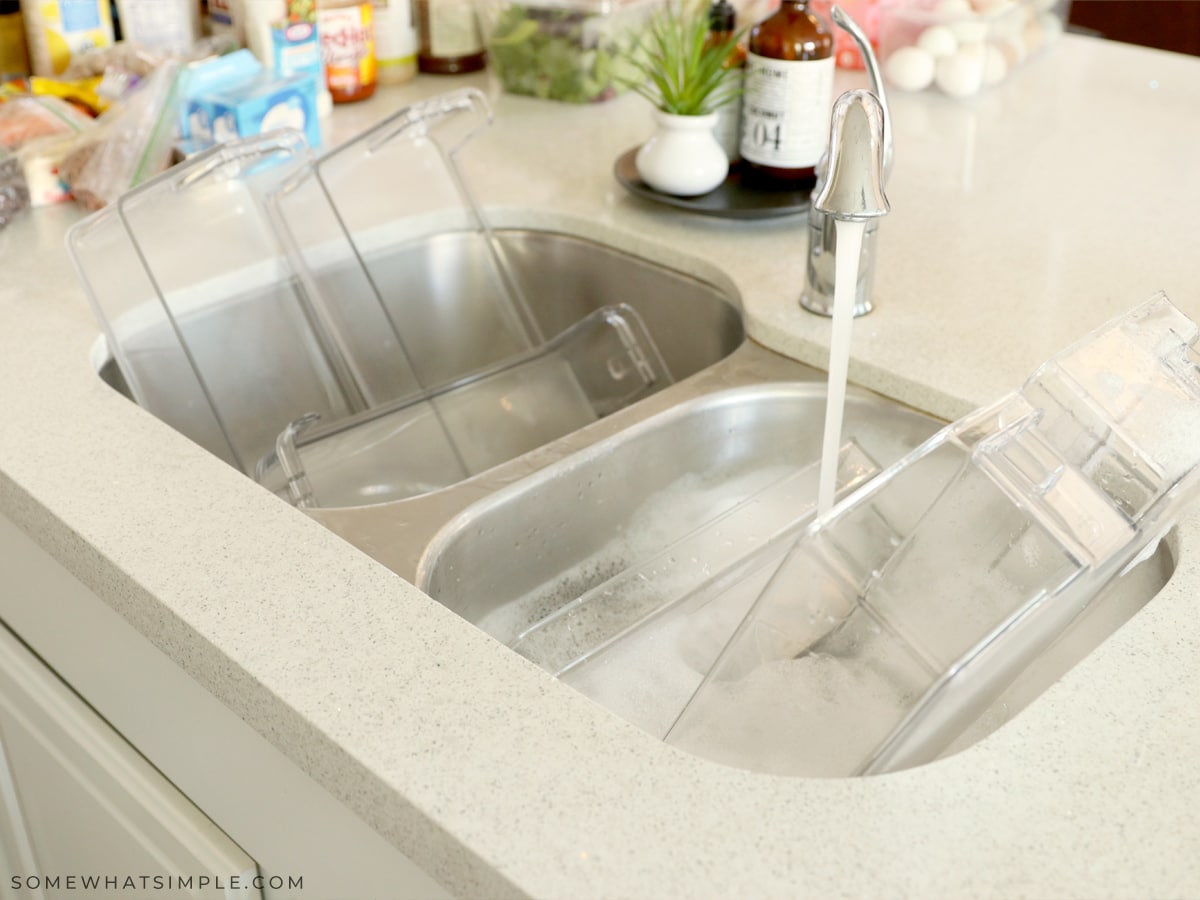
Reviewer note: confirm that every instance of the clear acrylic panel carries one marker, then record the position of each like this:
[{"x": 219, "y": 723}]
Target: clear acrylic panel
[
  {"x": 894, "y": 622},
  {"x": 354, "y": 215},
  {"x": 604, "y": 362}
]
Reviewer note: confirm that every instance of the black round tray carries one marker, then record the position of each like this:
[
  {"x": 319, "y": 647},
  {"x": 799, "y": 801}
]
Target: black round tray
[{"x": 729, "y": 200}]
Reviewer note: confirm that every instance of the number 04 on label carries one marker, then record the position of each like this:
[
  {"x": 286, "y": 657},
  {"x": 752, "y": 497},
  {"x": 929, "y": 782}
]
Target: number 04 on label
[{"x": 785, "y": 112}]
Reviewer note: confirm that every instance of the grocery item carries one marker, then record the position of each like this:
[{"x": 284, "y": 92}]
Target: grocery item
[
  {"x": 576, "y": 51},
  {"x": 296, "y": 46},
  {"x": 789, "y": 92},
  {"x": 450, "y": 38},
  {"x": 395, "y": 41},
  {"x": 14, "y": 195},
  {"x": 58, "y": 30},
  {"x": 14, "y": 56},
  {"x": 261, "y": 104},
  {"x": 171, "y": 25},
  {"x": 722, "y": 23},
  {"x": 207, "y": 77},
  {"x": 40, "y": 161},
  {"x": 225, "y": 19},
  {"x": 347, "y": 32},
  {"x": 259, "y": 19},
  {"x": 961, "y": 47},
  {"x": 26, "y": 118},
  {"x": 129, "y": 144}
]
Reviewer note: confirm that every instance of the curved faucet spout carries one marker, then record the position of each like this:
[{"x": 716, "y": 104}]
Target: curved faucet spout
[{"x": 853, "y": 187}]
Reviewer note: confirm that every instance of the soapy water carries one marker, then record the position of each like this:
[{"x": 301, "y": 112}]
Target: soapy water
[
  {"x": 649, "y": 674},
  {"x": 849, "y": 237},
  {"x": 661, "y": 519}
]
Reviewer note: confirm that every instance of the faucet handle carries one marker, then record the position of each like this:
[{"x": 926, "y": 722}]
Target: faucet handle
[{"x": 853, "y": 186}]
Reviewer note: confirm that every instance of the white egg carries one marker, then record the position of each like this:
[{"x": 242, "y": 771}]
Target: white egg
[
  {"x": 970, "y": 30},
  {"x": 938, "y": 41},
  {"x": 950, "y": 8},
  {"x": 910, "y": 69},
  {"x": 960, "y": 75},
  {"x": 995, "y": 66},
  {"x": 1045, "y": 5}
]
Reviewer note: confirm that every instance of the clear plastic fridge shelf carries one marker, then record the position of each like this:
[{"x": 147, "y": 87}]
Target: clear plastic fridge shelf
[
  {"x": 294, "y": 297},
  {"x": 891, "y": 625},
  {"x": 599, "y": 365}
]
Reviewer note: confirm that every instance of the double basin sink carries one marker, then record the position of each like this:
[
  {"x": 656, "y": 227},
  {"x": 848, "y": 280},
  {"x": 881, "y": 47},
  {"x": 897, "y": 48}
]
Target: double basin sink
[{"x": 541, "y": 525}]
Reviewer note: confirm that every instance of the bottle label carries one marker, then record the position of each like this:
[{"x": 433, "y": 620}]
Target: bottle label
[
  {"x": 348, "y": 47},
  {"x": 453, "y": 30},
  {"x": 395, "y": 36},
  {"x": 785, "y": 111}
]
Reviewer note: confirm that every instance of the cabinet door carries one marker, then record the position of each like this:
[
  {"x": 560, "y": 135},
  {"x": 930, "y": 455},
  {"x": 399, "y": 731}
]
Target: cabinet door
[{"x": 77, "y": 800}]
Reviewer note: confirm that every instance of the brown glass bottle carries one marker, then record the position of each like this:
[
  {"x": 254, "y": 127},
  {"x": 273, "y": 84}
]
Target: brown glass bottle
[
  {"x": 789, "y": 91},
  {"x": 722, "y": 25},
  {"x": 450, "y": 42}
]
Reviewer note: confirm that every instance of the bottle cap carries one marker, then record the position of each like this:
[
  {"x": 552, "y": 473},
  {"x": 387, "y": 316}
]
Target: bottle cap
[{"x": 722, "y": 16}]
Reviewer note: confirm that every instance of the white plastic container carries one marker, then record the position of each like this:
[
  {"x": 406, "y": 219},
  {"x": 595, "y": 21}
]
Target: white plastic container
[
  {"x": 395, "y": 41},
  {"x": 172, "y": 25},
  {"x": 259, "y": 17}
]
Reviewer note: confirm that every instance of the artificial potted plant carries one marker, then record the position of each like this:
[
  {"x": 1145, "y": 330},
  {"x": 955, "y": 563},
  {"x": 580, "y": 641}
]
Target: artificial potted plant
[{"x": 686, "y": 75}]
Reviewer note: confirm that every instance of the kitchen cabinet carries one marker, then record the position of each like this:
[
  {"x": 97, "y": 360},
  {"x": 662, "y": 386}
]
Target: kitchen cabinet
[
  {"x": 80, "y": 803},
  {"x": 305, "y": 842}
]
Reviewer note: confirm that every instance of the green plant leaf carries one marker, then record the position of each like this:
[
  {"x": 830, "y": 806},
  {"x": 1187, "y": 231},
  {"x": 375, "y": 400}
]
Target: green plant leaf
[{"x": 684, "y": 69}]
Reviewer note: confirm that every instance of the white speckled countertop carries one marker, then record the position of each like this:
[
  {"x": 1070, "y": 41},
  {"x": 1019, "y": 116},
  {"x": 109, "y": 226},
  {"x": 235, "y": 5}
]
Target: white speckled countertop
[{"x": 1018, "y": 223}]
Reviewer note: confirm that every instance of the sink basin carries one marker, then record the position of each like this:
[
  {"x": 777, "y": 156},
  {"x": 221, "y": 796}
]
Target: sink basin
[
  {"x": 550, "y": 564},
  {"x": 443, "y": 285},
  {"x": 507, "y": 561}
]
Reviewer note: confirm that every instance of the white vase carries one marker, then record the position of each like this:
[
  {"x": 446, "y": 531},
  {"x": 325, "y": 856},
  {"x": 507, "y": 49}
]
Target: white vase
[{"x": 683, "y": 157}]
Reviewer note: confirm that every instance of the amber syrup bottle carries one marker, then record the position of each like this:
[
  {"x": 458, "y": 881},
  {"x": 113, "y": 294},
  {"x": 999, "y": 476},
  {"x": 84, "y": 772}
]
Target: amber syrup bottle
[{"x": 789, "y": 92}]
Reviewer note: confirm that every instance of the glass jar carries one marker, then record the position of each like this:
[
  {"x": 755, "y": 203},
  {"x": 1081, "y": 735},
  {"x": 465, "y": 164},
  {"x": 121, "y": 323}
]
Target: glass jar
[{"x": 347, "y": 31}]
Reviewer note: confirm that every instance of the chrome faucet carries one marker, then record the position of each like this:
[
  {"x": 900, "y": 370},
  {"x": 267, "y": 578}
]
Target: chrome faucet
[{"x": 850, "y": 181}]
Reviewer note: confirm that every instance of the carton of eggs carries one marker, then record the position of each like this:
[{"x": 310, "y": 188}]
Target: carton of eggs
[{"x": 960, "y": 47}]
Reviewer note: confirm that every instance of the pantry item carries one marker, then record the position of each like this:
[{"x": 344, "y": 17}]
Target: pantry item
[
  {"x": 449, "y": 36},
  {"x": 14, "y": 194},
  {"x": 577, "y": 51},
  {"x": 14, "y": 55},
  {"x": 962, "y": 47},
  {"x": 347, "y": 32},
  {"x": 789, "y": 92},
  {"x": 58, "y": 30},
  {"x": 395, "y": 41},
  {"x": 225, "y": 19},
  {"x": 722, "y": 26},
  {"x": 257, "y": 105},
  {"x": 25, "y": 118},
  {"x": 129, "y": 145},
  {"x": 169, "y": 25}
]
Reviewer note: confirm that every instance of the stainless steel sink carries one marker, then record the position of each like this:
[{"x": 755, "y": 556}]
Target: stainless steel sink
[
  {"x": 510, "y": 560},
  {"x": 443, "y": 289},
  {"x": 549, "y": 564},
  {"x": 507, "y": 544}
]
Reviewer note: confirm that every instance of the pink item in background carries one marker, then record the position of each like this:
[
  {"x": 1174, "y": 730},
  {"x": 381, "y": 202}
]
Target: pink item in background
[{"x": 866, "y": 14}]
